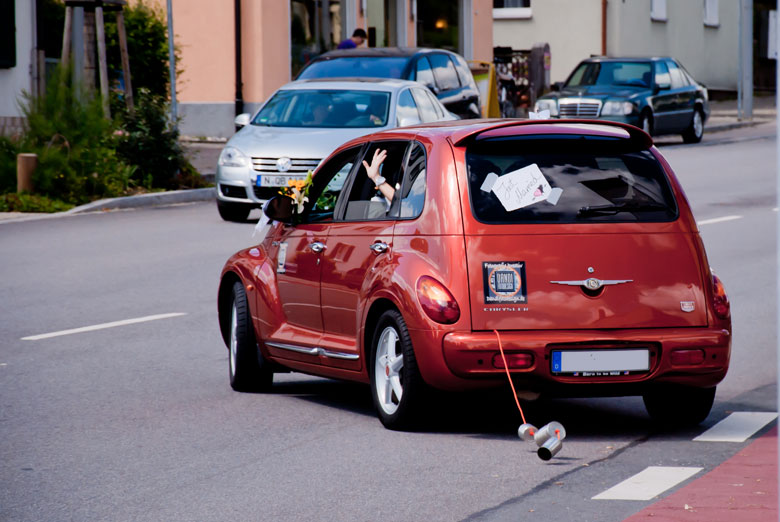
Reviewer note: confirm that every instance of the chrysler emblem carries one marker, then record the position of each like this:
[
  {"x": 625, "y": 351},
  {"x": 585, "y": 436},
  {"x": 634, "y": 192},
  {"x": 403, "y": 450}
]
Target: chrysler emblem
[
  {"x": 283, "y": 164},
  {"x": 593, "y": 283}
]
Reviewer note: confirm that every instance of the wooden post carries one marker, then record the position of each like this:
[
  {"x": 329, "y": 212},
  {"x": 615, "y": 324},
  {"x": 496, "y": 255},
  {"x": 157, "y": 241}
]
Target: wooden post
[
  {"x": 66, "y": 35},
  {"x": 25, "y": 166},
  {"x": 102, "y": 65},
  {"x": 120, "y": 25}
]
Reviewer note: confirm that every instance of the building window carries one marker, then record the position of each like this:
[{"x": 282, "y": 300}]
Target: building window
[
  {"x": 658, "y": 10},
  {"x": 711, "y": 13},
  {"x": 511, "y": 9}
]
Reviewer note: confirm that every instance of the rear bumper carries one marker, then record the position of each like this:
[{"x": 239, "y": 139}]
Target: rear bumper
[{"x": 469, "y": 357}]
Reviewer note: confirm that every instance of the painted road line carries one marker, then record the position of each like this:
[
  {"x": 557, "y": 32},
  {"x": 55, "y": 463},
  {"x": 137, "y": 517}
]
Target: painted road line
[
  {"x": 737, "y": 427},
  {"x": 717, "y": 220},
  {"x": 102, "y": 326},
  {"x": 648, "y": 483}
]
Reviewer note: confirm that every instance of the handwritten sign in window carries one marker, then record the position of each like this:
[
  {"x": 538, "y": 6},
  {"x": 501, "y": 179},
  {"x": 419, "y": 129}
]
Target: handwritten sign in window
[{"x": 521, "y": 188}]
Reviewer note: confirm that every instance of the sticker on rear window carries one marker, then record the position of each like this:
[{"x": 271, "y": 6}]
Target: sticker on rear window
[
  {"x": 504, "y": 282},
  {"x": 521, "y": 188}
]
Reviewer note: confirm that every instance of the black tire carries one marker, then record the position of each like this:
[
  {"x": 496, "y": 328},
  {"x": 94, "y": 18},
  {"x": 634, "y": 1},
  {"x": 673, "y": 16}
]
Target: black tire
[
  {"x": 679, "y": 406},
  {"x": 233, "y": 211},
  {"x": 695, "y": 131},
  {"x": 646, "y": 122},
  {"x": 248, "y": 370},
  {"x": 400, "y": 373}
]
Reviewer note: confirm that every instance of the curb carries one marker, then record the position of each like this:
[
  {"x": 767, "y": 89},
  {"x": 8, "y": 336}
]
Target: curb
[{"x": 147, "y": 200}]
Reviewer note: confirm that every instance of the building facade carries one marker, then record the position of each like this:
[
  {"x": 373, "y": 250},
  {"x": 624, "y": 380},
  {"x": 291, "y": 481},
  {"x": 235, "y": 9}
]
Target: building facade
[
  {"x": 277, "y": 37},
  {"x": 702, "y": 34}
]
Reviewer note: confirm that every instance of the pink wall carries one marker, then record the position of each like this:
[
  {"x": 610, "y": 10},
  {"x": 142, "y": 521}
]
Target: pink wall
[
  {"x": 266, "y": 50},
  {"x": 483, "y": 30}
]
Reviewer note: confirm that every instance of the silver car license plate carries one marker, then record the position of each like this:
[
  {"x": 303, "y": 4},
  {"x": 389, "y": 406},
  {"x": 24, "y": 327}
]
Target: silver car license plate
[{"x": 273, "y": 180}]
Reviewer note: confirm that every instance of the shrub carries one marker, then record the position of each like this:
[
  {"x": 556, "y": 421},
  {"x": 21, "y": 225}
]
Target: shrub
[{"x": 31, "y": 203}]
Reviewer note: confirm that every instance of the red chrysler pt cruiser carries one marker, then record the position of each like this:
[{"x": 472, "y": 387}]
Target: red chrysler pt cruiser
[{"x": 421, "y": 253}]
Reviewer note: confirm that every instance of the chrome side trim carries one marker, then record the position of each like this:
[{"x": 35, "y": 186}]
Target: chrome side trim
[
  {"x": 293, "y": 348},
  {"x": 339, "y": 355},
  {"x": 315, "y": 351}
]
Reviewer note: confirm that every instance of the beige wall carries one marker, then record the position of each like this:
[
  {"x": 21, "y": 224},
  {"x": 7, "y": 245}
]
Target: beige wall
[
  {"x": 483, "y": 28},
  {"x": 266, "y": 50},
  {"x": 571, "y": 27},
  {"x": 573, "y": 30}
]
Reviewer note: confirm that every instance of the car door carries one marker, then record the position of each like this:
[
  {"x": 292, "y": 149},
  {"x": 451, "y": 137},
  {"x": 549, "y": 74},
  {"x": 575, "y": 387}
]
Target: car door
[
  {"x": 451, "y": 93},
  {"x": 663, "y": 101},
  {"x": 359, "y": 247},
  {"x": 298, "y": 250},
  {"x": 685, "y": 97}
]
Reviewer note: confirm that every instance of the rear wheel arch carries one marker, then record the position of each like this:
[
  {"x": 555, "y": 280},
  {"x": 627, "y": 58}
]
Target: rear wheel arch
[{"x": 376, "y": 309}]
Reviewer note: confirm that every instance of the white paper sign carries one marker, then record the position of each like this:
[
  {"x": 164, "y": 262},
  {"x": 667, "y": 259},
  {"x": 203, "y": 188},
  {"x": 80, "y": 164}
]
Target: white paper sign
[
  {"x": 487, "y": 185},
  {"x": 521, "y": 188}
]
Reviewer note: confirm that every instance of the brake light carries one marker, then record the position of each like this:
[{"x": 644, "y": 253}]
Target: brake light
[
  {"x": 720, "y": 300},
  {"x": 437, "y": 301}
]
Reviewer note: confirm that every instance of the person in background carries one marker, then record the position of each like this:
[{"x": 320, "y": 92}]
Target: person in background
[{"x": 358, "y": 37}]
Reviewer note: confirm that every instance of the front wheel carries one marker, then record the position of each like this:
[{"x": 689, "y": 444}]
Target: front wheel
[
  {"x": 396, "y": 384},
  {"x": 249, "y": 371},
  {"x": 681, "y": 406},
  {"x": 695, "y": 132}
]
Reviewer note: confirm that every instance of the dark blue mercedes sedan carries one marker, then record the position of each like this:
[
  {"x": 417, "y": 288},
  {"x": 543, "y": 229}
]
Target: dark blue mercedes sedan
[{"x": 655, "y": 94}]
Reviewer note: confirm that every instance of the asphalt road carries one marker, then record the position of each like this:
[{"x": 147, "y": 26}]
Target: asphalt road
[{"x": 138, "y": 422}]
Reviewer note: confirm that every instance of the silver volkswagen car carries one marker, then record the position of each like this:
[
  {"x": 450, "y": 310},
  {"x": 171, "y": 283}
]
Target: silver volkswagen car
[{"x": 301, "y": 124}]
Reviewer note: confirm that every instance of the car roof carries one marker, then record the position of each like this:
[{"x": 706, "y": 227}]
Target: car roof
[
  {"x": 462, "y": 132},
  {"x": 627, "y": 58},
  {"x": 351, "y": 84},
  {"x": 379, "y": 52}
]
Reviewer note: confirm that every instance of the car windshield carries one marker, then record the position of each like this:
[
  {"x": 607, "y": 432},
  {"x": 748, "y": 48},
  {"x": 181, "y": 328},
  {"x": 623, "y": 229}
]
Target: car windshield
[
  {"x": 637, "y": 74},
  {"x": 566, "y": 179},
  {"x": 325, "y": 108},
  {"x": 356, "y": 67}
]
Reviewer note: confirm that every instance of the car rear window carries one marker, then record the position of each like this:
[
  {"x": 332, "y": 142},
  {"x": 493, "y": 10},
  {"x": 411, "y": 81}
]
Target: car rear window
[
  {"x": 356, "y": 66},
  {"x": 566, "y": 179}
]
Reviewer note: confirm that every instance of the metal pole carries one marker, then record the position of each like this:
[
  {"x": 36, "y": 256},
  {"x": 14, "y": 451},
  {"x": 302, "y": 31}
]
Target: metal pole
[
  {"x": 172, "y": 65},
  {"x": 239, "y": 72},
  {"x": 746, "y": 58},
  {"x": 777, "y": 224}
]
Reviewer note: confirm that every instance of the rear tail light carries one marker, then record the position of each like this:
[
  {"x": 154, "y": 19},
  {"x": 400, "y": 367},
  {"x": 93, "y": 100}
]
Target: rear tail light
[
  {"x": 720, "y": 301},
  {"x": 686, "y": 357},
  {"x": 514, "y": 360},
  {"x": 437, "y": 301}
]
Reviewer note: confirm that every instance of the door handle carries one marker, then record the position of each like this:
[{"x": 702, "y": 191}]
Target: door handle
[
  {"x": 317, "y": 247},
  {"x": 379, "y": 247}
]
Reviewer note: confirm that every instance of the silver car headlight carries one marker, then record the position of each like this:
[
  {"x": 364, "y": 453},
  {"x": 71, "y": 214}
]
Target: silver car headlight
[
  {"x": 232, "y": 157},
  {"x": 617, "y": 108},
  {"x": 547, "y": 105}
]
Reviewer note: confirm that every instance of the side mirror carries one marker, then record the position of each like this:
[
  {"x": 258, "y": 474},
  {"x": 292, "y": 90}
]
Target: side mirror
[
  {"x": 557, "y": 86},
  {"x": 433, "y": 88},
  {"x": 242, "y": 119},
  {"x": 403, "y": 122},
  {"x": 663, "y": 86},
  {"x": 279, "y": 208}
]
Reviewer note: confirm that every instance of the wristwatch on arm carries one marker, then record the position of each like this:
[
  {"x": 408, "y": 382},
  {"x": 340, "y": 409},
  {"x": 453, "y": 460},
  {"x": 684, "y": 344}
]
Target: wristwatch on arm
[{"x": 379, "y": 180}]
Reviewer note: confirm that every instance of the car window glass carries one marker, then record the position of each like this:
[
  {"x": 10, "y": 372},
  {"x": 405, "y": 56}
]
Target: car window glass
[
  {"x": 356, "y": 67},
  {"x": 678, "y": 80},
  {"x": 365, "y": 201},
  {"x": 327, "y": 185},
  {"x": 464, "y": 73},
  {"x": 662, "y": 74},
  {"x": 406, "y": 113},
  {"x": 427, "y": 111},
  {"x": 437, "y": 106},
  {"x": 423, "y": 72},
  {"x": 413, "y": 191},
  {"x": 444, "y": 72},
  {"x": 571, "y": 179}
]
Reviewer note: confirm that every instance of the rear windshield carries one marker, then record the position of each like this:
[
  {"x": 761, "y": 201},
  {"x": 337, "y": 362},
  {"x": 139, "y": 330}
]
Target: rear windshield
[
  {"x": 356, "y": 66},
  {"x": 566, "y": 179}
]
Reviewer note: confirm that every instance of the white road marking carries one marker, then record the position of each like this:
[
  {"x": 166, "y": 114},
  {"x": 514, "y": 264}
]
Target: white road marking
[
  {"x": 102, "y": 326},
  {"x": 737, "y": 427},
  {"x": 717, "y": 220},
  {"x": 649, "y": 483}
]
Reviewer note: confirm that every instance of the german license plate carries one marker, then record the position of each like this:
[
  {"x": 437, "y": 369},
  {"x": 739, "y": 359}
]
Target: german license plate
[
  {"x": 600, "y": 363},
  {"x": 273, "y": 180}
]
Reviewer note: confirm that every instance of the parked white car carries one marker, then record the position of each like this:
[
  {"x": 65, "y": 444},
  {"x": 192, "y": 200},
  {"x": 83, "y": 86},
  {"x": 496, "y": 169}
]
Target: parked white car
[{"x": 301, "y": 124}]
